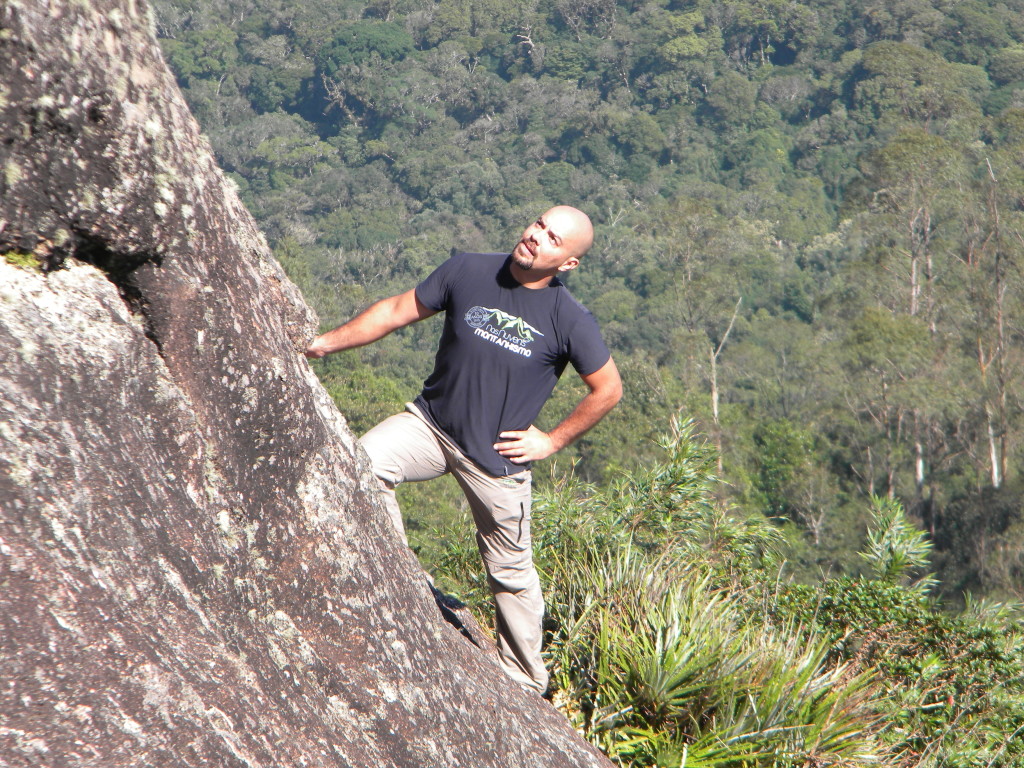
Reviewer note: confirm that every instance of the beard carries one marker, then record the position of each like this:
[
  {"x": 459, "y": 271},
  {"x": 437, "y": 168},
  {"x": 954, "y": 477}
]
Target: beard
[{"x": 522, "y": 257}]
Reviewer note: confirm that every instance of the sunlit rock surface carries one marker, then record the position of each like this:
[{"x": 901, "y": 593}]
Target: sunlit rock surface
[{"x": 193, "y": 567}]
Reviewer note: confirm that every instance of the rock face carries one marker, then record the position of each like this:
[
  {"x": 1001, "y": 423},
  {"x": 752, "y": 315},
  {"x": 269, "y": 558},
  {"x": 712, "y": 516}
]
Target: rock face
[{"x": 194, "y": 569}]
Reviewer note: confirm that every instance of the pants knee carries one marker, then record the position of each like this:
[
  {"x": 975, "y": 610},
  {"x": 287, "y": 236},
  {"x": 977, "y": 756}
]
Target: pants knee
[
  {"x": 387, "y": 475},
  {"x": 515, "y": 576}
]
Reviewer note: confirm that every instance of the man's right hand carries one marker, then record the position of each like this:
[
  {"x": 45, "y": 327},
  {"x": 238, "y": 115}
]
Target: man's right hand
[{"x": 317, "y": 349}]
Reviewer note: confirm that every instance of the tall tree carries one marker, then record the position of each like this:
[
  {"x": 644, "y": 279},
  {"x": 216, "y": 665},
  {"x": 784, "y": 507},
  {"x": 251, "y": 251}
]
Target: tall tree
[{"x": 915, "y": 181}]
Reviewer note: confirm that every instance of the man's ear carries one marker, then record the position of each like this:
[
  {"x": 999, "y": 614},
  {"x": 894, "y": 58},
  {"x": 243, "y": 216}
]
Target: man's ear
[{"x": 571, "y": 263}]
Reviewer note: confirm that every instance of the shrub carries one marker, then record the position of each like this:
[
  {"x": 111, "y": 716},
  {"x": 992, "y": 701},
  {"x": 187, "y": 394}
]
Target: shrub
[
  {"x": 672, "y": 643},
  {"x": 651, "y": 653}
]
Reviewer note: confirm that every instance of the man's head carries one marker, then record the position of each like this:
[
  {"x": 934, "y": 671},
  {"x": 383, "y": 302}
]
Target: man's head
[{"x": 555, "y": 242}]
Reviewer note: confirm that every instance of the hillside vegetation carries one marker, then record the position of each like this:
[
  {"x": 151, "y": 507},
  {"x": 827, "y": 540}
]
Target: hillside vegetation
[
  {"x": 810, "y": 241},
  {"x": 840, "y": 183}
]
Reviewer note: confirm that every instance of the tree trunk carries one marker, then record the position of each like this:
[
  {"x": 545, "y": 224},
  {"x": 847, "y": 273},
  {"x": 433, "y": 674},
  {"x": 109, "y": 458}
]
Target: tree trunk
[
  {"x": 919, "y": 468},
  {"x": 714, "y": 409},
  {"x": 995, "y": 462}
]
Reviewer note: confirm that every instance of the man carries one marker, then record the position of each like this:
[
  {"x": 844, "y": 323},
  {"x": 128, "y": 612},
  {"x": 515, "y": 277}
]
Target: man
[{"x": 510, "y": 329}]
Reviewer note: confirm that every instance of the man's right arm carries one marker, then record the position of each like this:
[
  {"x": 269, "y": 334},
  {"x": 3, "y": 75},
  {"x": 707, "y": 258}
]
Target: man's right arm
[{"x": 375, "y": 323}]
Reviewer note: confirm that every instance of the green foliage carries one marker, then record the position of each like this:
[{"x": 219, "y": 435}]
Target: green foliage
[
  {"x": 23, "y": 260},
  {"x": 895, "y": 546},
  {"x": 208, "y": 53},
  {"x": 355, "y": 43},
  {"x": 954, "y": 685},
  {"x": 732, "y": 98},
  {"x": 367, "y": 398},
  {"x": 567, "y": 61},
  {"x": 903, "y": 83},
  {"x": 668, "y": 504},
  {"x": 653, "y": 661},
  {"x": 678, "y": 675},
  {"x": 681, "y": 646},
  {"x": 848, "y": 172},
  {"x": 783, "y": 452},
  {"x": 1007, "y": 65},
  {"x": 981, "y": 541}
]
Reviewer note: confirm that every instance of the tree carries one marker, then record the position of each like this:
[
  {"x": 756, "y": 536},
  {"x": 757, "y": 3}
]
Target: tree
[
  {"x": 209, "y": 53},
  {"x": 792, "y": 477},
  {"x": 886, "y": 356},
  {"x": 587, "y": 16},
  {"x": 895, "y": 546},
  {"x": 898, "y": 83},
  {"x": 990, "y": 271},
  {"x": 355, "y": 42},
  {"x": 915, "y": 179},
  {"x": 731, "y": 98}
]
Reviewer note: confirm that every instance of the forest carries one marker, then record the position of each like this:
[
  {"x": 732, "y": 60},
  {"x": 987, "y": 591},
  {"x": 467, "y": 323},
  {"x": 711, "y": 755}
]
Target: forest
[{"x": 808, "y": 264}]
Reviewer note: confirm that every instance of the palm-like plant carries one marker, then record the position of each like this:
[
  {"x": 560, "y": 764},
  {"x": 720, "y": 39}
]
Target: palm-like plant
[
  {"x": 895, "y": 545},
  {"x": 676, "y": 670},
  {"x": 655, "y": 661},
  {"x": 652, "y": 655}
]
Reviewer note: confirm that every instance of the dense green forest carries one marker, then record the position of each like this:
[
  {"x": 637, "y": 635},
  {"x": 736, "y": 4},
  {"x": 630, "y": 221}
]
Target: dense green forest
[
  {"x": 810, "y": 245},
  {"x": 809, "y": 224}
]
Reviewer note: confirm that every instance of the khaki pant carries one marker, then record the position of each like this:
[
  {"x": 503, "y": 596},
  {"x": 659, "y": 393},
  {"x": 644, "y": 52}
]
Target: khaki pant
[{"x": 404, "y": 448}]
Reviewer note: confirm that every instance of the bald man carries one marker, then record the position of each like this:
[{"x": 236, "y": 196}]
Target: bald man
[{"x": 510, "y": 329}]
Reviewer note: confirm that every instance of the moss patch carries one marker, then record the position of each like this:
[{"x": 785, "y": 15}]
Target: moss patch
[{"x": 23, "y": 260}]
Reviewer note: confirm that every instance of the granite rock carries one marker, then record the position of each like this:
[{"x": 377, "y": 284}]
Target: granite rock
[{"x": 195, "y": 568}]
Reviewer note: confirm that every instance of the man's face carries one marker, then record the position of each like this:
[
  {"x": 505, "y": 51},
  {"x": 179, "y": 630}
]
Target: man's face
[{"x": 551, "y": 243}]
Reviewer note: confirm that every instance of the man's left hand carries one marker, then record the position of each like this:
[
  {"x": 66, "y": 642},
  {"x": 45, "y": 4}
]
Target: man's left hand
[{"x": 525, "y": 445}]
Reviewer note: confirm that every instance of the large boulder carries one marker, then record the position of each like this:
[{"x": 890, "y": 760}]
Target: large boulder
[{"x": 194, "y": 566}]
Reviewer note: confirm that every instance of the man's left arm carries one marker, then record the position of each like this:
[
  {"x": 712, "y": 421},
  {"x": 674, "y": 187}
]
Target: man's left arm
[{"x": 533, "y": 444}]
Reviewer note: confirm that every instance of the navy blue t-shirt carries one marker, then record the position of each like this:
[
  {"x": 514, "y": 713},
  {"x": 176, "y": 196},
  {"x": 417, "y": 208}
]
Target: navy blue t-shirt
[{"x": 501, "y": 352}]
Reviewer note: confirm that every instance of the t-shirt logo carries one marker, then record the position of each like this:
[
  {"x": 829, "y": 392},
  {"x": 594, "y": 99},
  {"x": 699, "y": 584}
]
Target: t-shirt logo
[{"x": 508, "y": 331}]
